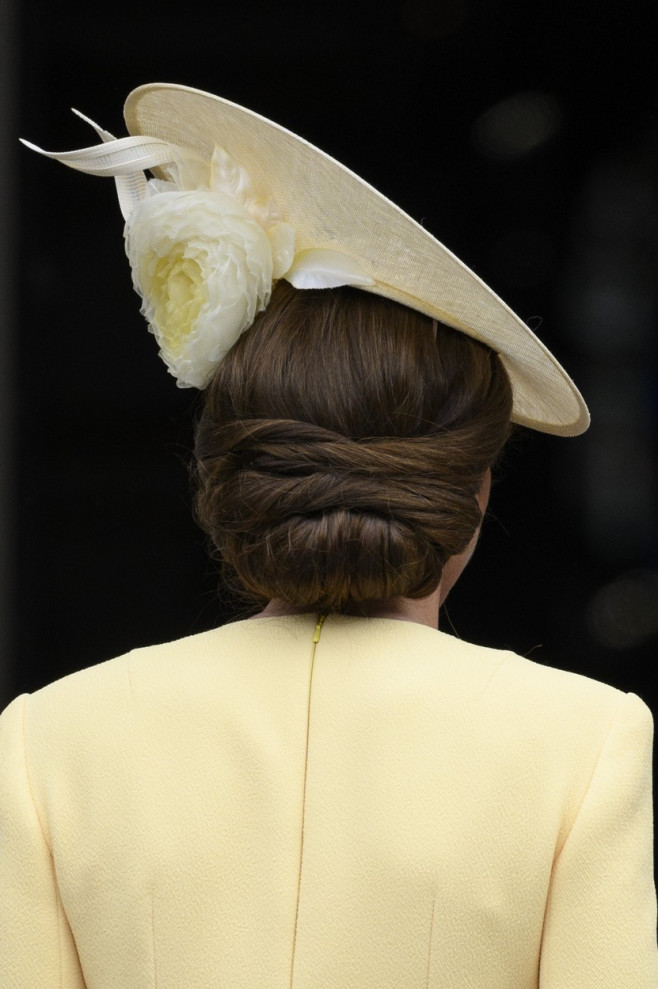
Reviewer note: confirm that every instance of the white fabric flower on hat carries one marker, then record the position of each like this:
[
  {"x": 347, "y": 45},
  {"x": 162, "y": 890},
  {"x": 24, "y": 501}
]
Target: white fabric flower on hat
[
  {"x": 203, "y": 261},
  {"x": 204, "y": 246},
  {"x": 203, "y": 268}
]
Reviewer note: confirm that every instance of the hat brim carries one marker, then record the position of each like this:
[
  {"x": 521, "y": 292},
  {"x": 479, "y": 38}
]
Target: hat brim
[{"x": 331, "y": 207}]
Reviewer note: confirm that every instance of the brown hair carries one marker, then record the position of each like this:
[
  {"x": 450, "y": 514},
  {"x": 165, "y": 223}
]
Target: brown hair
[{"x": 341, "y": 448}]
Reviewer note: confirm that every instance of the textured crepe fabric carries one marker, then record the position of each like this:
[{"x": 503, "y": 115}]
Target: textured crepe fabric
[{"x": 391, "y": 807}]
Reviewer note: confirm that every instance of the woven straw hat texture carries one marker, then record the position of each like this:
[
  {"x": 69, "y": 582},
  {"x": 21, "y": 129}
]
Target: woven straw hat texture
[{"x": 331, "y": 207}]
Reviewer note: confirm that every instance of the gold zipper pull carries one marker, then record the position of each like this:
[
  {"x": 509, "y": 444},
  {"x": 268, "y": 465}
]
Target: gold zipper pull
[{"x": 318, "y": 628}]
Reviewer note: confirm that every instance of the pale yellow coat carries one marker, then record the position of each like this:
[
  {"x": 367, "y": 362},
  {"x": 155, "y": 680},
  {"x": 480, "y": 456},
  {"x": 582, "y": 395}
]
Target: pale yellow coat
[{"x": 389, "y": 808}]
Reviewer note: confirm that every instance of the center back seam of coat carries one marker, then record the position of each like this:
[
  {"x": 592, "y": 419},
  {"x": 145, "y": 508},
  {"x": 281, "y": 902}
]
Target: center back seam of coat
[{"x": 316, "y": 639}]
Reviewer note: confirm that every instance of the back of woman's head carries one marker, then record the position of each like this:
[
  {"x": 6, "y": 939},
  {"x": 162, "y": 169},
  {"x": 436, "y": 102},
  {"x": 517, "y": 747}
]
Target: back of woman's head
[{"x": 341, "y": 448}]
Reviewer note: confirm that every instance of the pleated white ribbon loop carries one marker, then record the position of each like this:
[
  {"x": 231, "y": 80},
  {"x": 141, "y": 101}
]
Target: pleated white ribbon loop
[{"x": 124, "y": 159}]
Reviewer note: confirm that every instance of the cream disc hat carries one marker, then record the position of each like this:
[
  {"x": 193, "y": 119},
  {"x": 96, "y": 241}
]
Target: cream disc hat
[{"x": 332, "y": 210}]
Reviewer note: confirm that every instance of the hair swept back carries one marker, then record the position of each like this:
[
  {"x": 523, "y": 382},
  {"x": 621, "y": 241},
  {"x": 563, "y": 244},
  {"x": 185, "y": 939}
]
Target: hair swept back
[{"x": 341, "y": 447}]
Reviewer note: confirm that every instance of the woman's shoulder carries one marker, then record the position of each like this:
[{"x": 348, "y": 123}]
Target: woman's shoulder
[
  {"x": 159, "y": 675},
  {"x": 488, "y": 675},
  {"x": 540, "y": 698},
  {"x": 517, "y": 704},
  {"x": 424, "y": 665}
]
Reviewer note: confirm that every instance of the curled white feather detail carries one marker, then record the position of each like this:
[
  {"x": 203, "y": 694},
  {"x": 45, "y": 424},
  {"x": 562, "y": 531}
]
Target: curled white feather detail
[{"x": 204, "y": 246}]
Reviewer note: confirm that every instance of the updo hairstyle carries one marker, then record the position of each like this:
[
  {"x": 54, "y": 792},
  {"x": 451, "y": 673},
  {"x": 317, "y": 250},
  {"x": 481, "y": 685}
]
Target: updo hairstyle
[{"x": 341, "y": 448}]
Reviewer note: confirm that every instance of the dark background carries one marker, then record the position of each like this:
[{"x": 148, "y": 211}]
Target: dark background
[{"x": 523, "y": 135}]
